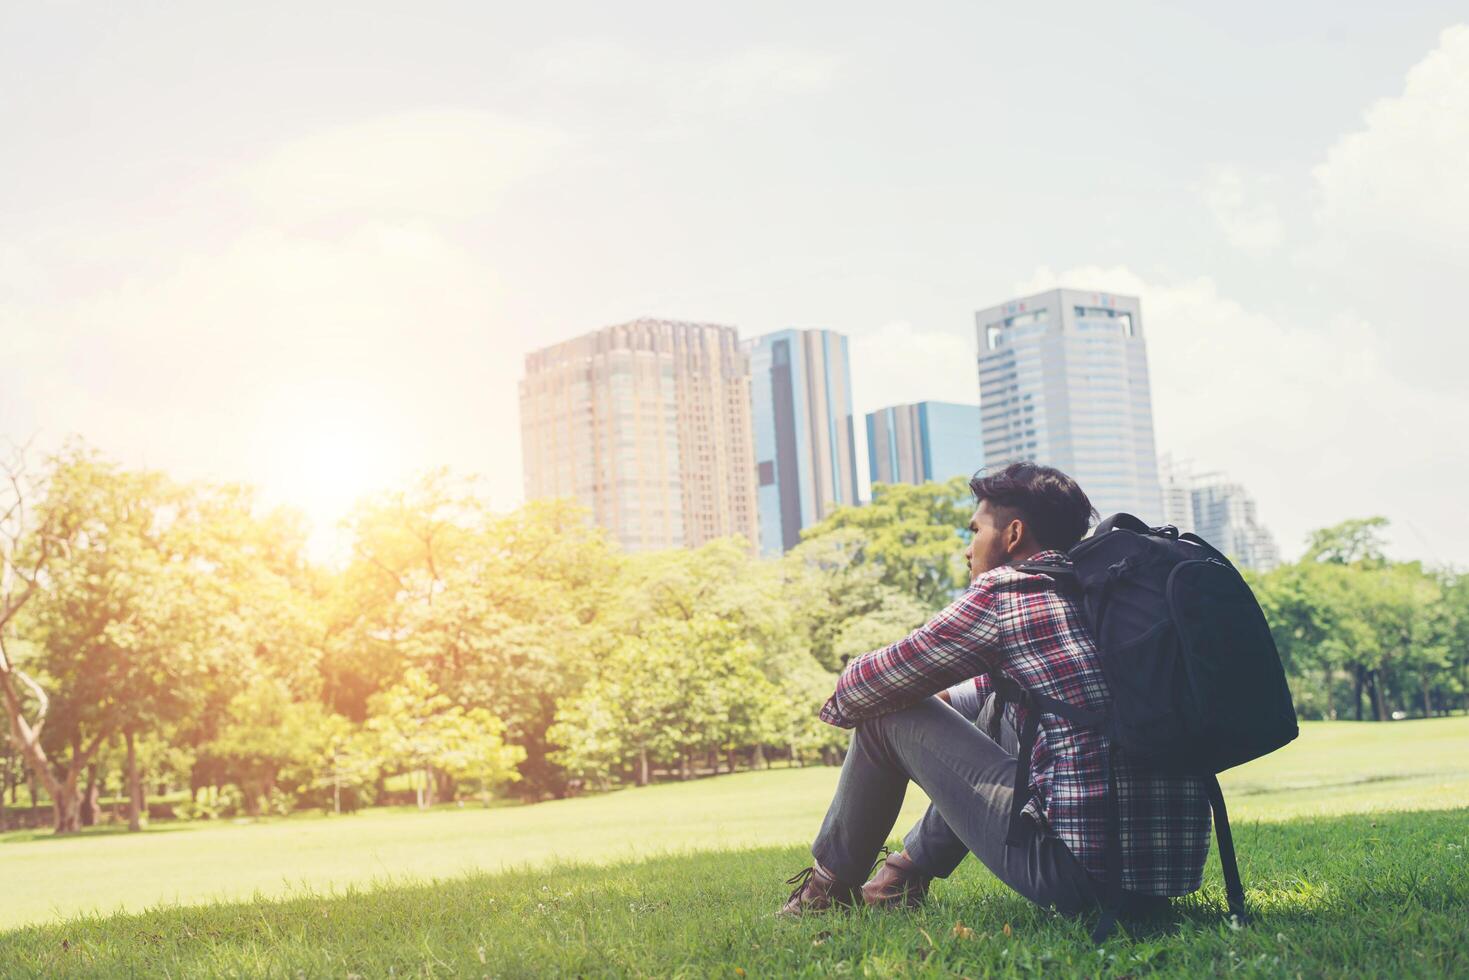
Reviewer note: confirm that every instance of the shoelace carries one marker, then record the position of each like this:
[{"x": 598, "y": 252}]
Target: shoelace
[
  {"x": 799, "y": 879},
  {"x": 882, "y": 856}
]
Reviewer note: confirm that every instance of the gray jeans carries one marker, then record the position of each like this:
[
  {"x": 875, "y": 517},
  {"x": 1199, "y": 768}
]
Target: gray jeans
[{"x": 970, "y": 780}]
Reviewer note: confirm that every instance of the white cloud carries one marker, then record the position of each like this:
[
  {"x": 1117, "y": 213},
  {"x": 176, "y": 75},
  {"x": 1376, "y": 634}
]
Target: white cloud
[
  {"x": 1407, "y": 170},
  {"x": 1310, "y": 419},
  {"x": 333, "y": 335},
  {"x": 444, "y": 164},
  {"x": 1358, "y": 407},
  {"x": 898, "y": 364},
  {"x": 1249, "y": 223},
  {"x": 743, "y": 78},
  {"x": 771, "y": 71},
  {"x": 1392, "y": 212},
  {"x": 379, "y": 335}
]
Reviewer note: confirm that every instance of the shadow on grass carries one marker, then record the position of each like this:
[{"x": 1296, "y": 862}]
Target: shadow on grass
[
  {"x": 1327, "y": 895},
  {"x": 36, "y": 834},
  {"x": 1277, "y": 788}
]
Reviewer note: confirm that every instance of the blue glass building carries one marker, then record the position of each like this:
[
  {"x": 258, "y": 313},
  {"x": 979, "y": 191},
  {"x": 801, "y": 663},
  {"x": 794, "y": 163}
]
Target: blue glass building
[
  {"x": 805, "y": 445},
  {"x": 924, "y": 442}
]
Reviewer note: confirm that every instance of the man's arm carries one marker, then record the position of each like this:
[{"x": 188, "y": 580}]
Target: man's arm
[{"x": 957, "y": 644}]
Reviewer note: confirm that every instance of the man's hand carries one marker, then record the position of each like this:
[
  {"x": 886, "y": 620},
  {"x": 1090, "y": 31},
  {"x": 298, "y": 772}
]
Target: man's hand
[{"x": 944, "y": 696}]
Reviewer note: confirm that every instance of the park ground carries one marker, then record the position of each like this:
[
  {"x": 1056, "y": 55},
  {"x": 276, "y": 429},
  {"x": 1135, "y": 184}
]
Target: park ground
[{"x": 1354, "y": 844}]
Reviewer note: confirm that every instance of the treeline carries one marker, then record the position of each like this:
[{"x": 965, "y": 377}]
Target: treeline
[
  {"x": 177, "y": 638},
  {"x": 1364, "y": 637}
]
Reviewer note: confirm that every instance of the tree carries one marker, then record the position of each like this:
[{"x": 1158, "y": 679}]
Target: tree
[
  {"x": 913, "y": 534},
  {"x": 1388, "y": 627},
  {"x": 516, "y": 624},
  {"x": 1355, "y": 542},
  {"x": 27, "y": 544},
  {"x": 267, "y": 733},
  {"x": 420, "y": 732},
  {"x": 119, "y": 628},
  {"x": 1315, "y": 614},
  {"x": 680, "y": 687}
]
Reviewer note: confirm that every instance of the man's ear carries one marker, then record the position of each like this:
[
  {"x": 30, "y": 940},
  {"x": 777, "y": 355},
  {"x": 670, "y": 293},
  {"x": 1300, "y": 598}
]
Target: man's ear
[{"x": 1014, "y": 534}]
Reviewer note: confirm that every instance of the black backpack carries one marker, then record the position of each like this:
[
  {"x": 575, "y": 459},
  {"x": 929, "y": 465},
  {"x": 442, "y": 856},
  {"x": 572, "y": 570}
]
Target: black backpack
[{"x": 1196, "y": 682}]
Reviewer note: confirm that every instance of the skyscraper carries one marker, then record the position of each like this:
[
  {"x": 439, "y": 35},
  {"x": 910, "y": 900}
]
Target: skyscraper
[
  {"x": 805, "y": 447},
  {"x": 1063, "y": 380},
  {"x": 647, "y": 424},
  {"x": 1224, "y": 516},
  {"x": 1217, "y": 510},
  {"x": 922, "y": 442},
  {"x": 1177, "y": 479}
]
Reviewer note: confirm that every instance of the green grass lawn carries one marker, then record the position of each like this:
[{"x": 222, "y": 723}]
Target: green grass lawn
[{"x": 682, "y": 878}]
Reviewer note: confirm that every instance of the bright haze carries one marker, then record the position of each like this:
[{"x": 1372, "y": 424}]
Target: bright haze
[{"x": 307, "y": 246}]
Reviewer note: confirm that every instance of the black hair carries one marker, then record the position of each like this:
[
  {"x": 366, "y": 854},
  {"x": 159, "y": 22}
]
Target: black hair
[{"x": 1052, "y": 505}]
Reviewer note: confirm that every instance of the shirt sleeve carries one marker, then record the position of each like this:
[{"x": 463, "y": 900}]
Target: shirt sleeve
[
  {"x": 982, "y": 687},
  {"x": 959, "y": 643}
]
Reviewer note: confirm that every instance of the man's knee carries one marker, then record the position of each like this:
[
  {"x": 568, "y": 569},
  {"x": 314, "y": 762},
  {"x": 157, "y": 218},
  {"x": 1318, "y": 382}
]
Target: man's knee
[{"x": 905, "y": 721}]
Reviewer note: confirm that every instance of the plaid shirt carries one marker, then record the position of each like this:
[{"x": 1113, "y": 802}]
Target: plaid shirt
[{"x": 1021, "y": 624}]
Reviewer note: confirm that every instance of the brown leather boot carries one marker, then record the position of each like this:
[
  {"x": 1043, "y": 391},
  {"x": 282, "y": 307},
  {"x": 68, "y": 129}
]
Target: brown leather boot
[
  {"x": 817, "y": 891},
  {"x": 897, "y": 884}
]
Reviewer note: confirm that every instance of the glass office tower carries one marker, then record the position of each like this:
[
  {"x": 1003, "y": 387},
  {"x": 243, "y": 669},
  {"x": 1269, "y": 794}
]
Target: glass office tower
[
  {"x": 924, "y": 442},
  {"x": 1063, "y": 380},
  {"x": 805, "y": 446}
]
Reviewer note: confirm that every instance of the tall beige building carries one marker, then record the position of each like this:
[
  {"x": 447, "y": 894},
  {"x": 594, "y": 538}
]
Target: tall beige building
[{"x": 647, "y": 424}]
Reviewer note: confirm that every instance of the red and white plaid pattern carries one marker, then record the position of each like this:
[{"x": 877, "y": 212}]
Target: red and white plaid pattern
[{"x": 1023, "y": 625}]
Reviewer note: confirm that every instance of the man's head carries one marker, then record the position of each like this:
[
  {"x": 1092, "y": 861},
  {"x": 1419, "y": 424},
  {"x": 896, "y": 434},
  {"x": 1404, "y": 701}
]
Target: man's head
[{"x": 1024, "y": 509}]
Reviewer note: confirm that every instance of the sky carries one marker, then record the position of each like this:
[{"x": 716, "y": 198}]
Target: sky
[{"x": 307, "y": 246}]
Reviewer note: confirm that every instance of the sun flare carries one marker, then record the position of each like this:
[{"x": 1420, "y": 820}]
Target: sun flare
[{"x": 327, "y": 449}]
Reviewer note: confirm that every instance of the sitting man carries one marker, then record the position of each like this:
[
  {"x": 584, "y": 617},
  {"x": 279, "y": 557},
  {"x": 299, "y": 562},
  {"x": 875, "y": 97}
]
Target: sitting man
[{"x": 906, "y": 727}]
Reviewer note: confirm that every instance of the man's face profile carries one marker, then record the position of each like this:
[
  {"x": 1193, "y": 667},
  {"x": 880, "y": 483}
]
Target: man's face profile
[{"x": 996, "y": 533}]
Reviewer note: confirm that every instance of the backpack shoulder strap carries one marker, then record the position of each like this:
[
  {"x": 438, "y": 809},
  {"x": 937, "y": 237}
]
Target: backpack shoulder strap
[
  {"x": 1112, "y": 894},
  {"x": 1008, "y": 690},
  {"x": 1063, "y": 575},
  {"x": 1234, "y": 889},
  {"x": 1125, "y": 522}
]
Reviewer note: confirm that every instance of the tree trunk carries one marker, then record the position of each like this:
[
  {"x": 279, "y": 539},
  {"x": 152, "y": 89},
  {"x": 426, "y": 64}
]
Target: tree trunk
[
  {"x": 729, "y": 758},
  {"x": 1357, "y": 693},
  {"x": 685, "y": 770},
  {"x": 66, "y": 798},
  {"x": 757, "y": 760},
  {"x": 1427, "y": 699},
  {"x": 1379, "y": 698},
  {"x": 90, "y": 798},
  {"x": 1330, "y": 695},
  {"x": 445, "y": 787},
  {"x": 68, "y": 807},
  {"x": 336, "y": 786},
  {"x": 27, "y": 740},
  {"x": 643, "y": 779},
  {"x": 251, "y": 791},
  {"x": 135, "y": 786},
  {"x": 795, "y": 757},
  {"x": 267, "y": 793}
]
